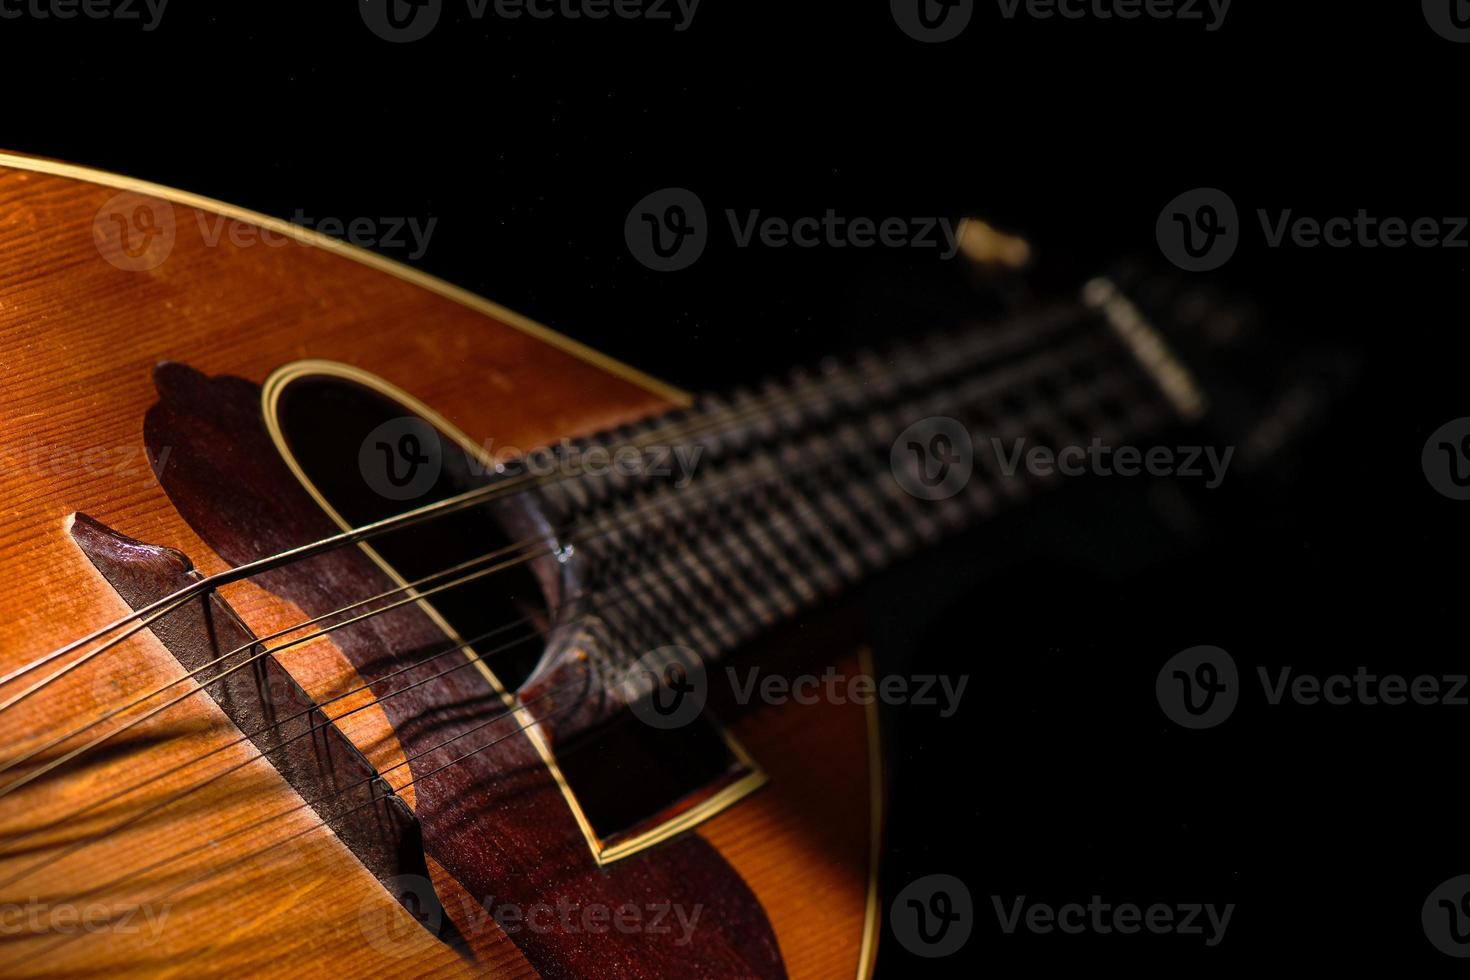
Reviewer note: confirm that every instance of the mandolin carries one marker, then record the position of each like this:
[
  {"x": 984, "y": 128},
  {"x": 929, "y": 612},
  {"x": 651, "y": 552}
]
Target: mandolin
[{"x": 355, "y": 625}]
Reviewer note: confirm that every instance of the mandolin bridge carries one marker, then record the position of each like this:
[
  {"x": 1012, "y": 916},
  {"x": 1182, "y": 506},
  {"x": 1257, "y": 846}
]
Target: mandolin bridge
[{"x": 271, "y": 709}]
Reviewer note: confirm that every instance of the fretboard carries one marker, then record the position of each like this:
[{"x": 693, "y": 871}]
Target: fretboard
[{"x": 780, "y": 498}]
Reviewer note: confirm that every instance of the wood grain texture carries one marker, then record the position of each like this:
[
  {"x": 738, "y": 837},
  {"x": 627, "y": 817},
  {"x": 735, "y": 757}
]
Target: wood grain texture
[{"x": 82, "y": 325}]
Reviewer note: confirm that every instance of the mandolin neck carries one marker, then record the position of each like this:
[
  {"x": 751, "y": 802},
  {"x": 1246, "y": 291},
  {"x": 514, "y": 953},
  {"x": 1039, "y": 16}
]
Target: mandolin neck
[{"x": 779, "y": 498}]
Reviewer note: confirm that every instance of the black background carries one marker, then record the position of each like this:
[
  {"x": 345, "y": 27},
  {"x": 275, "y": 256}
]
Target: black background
[{"x": 1059, "y": 778}]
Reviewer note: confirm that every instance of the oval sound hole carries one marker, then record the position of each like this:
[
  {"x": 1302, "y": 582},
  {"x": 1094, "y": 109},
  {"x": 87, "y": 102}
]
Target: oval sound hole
[{"x": 370, "y": 458}]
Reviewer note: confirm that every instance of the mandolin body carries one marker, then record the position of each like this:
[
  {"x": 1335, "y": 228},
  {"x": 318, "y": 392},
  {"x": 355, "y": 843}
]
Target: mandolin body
[{"x": 101, "y": 281}]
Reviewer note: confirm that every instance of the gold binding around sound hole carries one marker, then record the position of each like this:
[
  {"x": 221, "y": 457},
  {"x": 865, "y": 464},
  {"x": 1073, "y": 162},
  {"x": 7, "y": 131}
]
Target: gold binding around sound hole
[{"x": 603, "y": 851}]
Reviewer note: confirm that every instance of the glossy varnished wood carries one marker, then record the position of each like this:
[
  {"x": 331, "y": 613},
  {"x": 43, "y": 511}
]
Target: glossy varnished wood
[{"x": 79, "y": 339}]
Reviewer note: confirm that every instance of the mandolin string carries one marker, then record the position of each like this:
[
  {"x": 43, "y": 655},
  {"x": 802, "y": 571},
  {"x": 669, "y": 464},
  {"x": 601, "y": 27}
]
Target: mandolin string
[
  {"x": 1055, "y": 322},
  {"x": 623, "y": 595},
  {"x": 8, "y": 764},
  {"x": 154, "y": 610},
  {"x": 59, "y": 855},
  {"x": 630, "y": 522},
  {"x": 500, "y": 552},
  {"x": 71, "y": 754},
  {"x": 349, "y": 811},
  {"x": 607, "y": 527},
  {"x": 444, "y": 507},
  {"x": 28, "y": 870},
  {"x": 280, "y": 842},
  {"x": 14, "y": 761},
  {"x": 453, "y": 647},
  {"x": 339, "y": 792},
  {"x": 804, "y": 509},
  {"x": 1035, "y": 328},
  {"x": 78, "y": 845}
]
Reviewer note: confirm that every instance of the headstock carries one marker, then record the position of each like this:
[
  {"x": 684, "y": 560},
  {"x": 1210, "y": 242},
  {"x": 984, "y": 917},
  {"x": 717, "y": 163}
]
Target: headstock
[{"x": 1266, "y": 388}]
